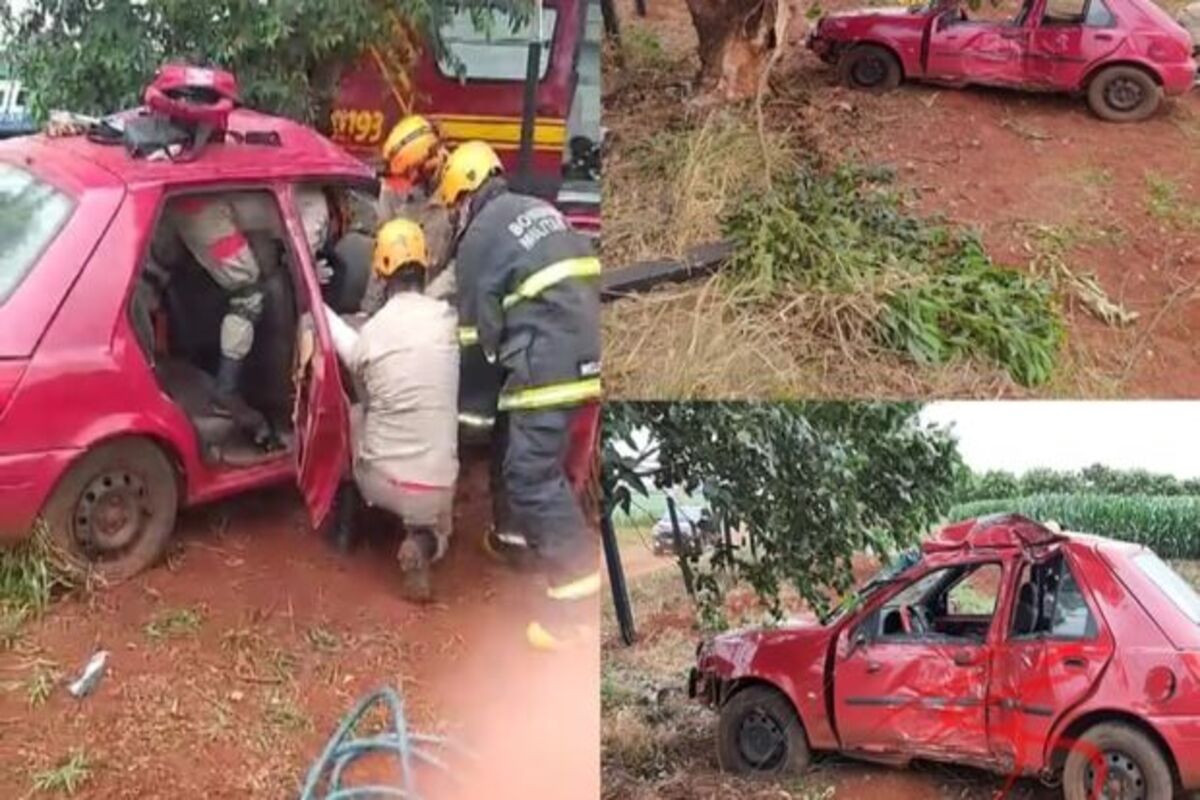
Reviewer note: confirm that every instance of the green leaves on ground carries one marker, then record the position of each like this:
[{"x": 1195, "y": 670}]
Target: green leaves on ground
[
  {"x": 930, "y": 290},
  {"x": 1168, "y": 525},
  {"x": 808, "y": 484}
]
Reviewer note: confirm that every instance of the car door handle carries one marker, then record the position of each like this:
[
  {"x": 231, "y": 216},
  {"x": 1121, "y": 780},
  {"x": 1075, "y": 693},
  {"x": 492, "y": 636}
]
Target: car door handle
[
  {"x": 873, "y": 667},
  {"x": 964, "y": 659},
  {"x": 1075, "y": 662},
  {"x": 1103, "y": 37}
]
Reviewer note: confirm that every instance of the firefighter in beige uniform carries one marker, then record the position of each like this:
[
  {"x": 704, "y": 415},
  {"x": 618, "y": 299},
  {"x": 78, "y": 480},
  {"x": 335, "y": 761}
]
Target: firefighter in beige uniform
[{"x": 405, "y": 431}]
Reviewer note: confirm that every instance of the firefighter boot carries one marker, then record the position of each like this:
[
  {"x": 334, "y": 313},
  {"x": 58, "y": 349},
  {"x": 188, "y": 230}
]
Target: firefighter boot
[
  {"x": 249, "y": 420},
  {"x": 416, "y": 554},
  {"x": 342, "y": 532},
  {"x": 570, "y": 616},
  {"x": 510, "y": 549}
]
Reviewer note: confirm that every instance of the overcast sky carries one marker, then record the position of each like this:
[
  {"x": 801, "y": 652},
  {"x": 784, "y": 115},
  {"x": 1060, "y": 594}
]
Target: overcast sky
[{"x": 1019, "y": 435}]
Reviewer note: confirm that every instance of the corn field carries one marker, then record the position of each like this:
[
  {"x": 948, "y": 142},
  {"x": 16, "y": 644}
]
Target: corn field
[{"x": 1168, "y": 525}]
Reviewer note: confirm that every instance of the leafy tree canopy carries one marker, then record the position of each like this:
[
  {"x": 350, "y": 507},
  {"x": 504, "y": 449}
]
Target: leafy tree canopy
[
  {"x": 812, "y": 483},
  {"x": 95, "y": 56}
]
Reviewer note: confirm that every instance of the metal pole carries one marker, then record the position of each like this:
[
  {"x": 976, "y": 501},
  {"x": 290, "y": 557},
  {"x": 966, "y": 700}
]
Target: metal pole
[
  {"x": 684, "y": 567},
  {"x": 616, "y": 579},
  {"x": 612, "y": 24},
  {"x": 533, "y": 68}
]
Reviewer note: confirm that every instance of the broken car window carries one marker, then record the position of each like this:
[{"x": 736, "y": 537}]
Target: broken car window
[{"x": 1064, "y": 12}]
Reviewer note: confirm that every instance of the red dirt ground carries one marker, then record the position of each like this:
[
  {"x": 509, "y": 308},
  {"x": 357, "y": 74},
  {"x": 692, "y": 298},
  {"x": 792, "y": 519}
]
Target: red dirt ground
[
  {"x": 1006, "y": 161},
  {"x": 291, "y": 634}
]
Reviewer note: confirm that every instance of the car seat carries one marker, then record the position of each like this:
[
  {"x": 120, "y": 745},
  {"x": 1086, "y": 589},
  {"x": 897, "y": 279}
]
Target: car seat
[{"x": 1025, "y": 620}]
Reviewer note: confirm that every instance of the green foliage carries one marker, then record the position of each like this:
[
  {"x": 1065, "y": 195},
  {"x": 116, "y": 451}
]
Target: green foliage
[
  {"x": 810, "y": 483},
  {"x": 174, "y": 623},
  {"x": 1096, "y": 479},
  {"x": 95, "y": 56},
  {"x": 1168, "y": 525},
  {"x": 30, "y": 576},
  {"x": 932, "y": 291}
]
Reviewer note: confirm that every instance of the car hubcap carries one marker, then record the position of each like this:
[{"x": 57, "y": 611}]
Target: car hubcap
[
  {"x": 761, "y": 740},
  {"x": 869, "y": 72},
  {"x": 112, "y": 513},
  {"x": 1124, "y": 94},
  {"x": 1115, "y": 776}
]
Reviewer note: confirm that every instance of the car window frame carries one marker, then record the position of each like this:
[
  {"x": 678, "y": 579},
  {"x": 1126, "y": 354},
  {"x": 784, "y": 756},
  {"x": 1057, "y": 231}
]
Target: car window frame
[
  {"x": 1049, "y": 636},
  {"x": 874, "y": 618}
]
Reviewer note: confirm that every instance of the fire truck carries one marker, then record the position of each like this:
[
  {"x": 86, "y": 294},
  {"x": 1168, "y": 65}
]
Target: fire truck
[{"x": 528, "y": 86}]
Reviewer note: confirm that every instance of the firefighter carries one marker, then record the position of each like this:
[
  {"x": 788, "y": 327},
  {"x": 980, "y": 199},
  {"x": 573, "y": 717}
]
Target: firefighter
[
  {"x": 413, "y": 155},
  {"x": 405, "y": 430},
  {"x": 528, "y": 291}
]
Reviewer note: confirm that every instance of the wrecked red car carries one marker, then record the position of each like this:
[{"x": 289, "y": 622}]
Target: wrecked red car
[
  {"x": 1123, "y": 54},
  {"x": 1002, "y": 644}
]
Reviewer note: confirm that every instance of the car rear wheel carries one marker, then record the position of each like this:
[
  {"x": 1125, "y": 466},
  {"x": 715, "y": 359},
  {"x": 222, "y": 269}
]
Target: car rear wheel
[
  {"x": 1123, "y": 94},
  {"x": 759, "y": 734},
  {"x": 114, "y": 510},
  {"x": 1113, "y": 761},
  {"x": 869, "y": 67}
]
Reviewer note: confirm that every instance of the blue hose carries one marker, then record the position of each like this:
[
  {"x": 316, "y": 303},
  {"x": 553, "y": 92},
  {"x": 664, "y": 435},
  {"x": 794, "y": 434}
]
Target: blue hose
[{"x": 342, "y": 750}]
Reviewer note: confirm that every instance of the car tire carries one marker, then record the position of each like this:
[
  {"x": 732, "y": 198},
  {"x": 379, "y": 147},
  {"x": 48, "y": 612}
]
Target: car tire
[
  {"x": 759, "y": 734},
  {"x": 1130, "y": 753},
  {"x": 114, "y": 510},
  {"x": 870, "y": 68},
  {"x": 1123, "y": 94}
]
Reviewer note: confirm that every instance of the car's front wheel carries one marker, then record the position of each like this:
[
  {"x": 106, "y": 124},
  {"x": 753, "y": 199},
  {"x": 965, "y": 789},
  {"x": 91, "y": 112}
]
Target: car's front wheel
[
  {"x": 759, "y": 734},
  {"x": 869, "y": 67},
  {"x": 1123, "y": 94},
  {"x": 114, "y": 510},
  {"x": 1114, "y": 761}
]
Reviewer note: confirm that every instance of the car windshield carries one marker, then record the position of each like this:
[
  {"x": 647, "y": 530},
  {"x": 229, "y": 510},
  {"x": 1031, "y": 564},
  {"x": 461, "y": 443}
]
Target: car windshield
[
  {"x": 32, "y": 213},
  {"x": 885, "y": 575},
  {"x": 1171, "y": 584}
]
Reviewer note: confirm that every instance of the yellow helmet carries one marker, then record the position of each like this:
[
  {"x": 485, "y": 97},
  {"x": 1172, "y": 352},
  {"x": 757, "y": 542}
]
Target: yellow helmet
[
  {"x": 413, "y": 146},
  {"x": 399, "y": 243},
  {"x": 466, "y": 169}
]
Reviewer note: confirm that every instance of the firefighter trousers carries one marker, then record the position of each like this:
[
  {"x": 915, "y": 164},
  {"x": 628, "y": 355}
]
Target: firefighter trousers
[{"x": 542, "y": 502}]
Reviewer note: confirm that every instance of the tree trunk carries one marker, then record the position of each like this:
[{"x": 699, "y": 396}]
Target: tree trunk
[{"x": 735, "y": 39}]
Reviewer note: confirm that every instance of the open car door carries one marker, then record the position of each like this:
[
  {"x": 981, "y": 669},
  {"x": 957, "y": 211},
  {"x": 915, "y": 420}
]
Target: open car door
[{"x": 320, "y": 419}]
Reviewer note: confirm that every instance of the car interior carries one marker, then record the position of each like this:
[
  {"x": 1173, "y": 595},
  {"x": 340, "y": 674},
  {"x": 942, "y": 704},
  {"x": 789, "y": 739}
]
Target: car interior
[
  {"x": 947, "y": 605},
  {"x": 176, "y": 312},
  {"x": 1050, "y": 603}
]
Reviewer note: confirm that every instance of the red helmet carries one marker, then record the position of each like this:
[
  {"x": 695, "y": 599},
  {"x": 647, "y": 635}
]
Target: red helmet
[{"x": 193, "y": 95}]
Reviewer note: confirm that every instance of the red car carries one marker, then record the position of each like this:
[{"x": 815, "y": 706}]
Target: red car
[
  {"x": 1124, "y": 54},
  {"x": 1002, "y": 644},
  {"x": 105, "y": 424}
]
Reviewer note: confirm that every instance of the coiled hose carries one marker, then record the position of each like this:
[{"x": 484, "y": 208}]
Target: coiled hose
[{"x": 343, "y": 749}]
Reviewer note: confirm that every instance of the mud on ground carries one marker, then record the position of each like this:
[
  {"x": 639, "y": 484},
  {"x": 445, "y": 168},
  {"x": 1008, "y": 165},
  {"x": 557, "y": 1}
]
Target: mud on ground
[
  {"x": 1037, "y": 175},
  {"x": 232, "y": 663}
]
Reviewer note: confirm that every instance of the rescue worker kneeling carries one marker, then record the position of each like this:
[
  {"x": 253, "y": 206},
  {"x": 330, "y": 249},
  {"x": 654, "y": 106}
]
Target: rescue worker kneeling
[
  {"x": 405, "y": 428},
  {"x": 528, "y": 284}
]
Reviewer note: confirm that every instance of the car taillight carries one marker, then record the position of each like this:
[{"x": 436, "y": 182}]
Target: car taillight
[
  {"x": 1167, "y": 50},
  {"x": 1160, "y": 684},
  {"x": 10, "y": 376}
]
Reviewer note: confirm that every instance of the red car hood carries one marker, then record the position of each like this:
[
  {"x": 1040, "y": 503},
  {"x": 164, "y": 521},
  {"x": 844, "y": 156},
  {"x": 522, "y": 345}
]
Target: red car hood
[{"x": 739, "y": 652}]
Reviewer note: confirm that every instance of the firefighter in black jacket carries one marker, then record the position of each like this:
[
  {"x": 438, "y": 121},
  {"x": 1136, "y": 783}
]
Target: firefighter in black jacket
[{"x": 528, "y": 289}]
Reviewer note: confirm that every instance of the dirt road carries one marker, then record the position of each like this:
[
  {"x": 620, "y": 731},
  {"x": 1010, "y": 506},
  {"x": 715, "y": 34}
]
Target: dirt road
[{"x": 232, "y": 663}]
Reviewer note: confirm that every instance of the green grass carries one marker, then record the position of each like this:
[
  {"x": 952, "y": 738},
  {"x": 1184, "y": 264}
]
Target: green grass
[
  {"x": 1163, "y": 202},
  {"x": 174, "y": 623},
  {"x": 31, "y": 575},
  {"x": 67, "y": 778},
  {"x": 916, "y": 286},
  {"x": 41, "y": 682},
  {"x": 283, "y": 713}
]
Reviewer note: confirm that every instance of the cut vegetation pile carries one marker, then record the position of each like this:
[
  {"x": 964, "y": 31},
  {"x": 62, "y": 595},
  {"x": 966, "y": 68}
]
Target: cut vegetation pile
[
  {"x": 922, "y": 288},
  {"x": 1168, "y": 525}
]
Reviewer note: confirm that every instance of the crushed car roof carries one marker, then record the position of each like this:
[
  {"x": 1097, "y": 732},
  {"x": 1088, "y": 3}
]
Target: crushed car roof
[
  {"x": 999, "y": 531},
  {"x": 301, "y": 152}
]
